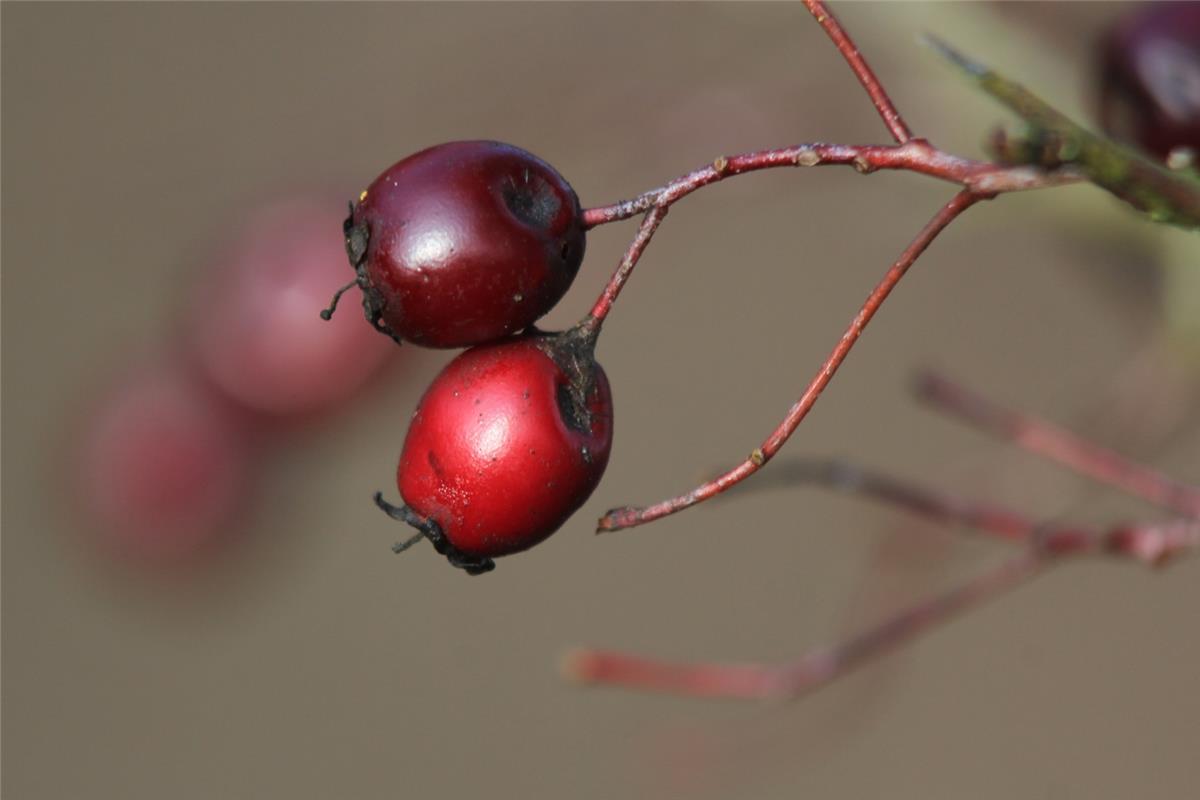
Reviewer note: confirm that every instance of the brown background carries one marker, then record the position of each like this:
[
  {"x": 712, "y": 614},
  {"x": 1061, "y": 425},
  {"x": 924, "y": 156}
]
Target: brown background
[{"x": 310, "y": 663}]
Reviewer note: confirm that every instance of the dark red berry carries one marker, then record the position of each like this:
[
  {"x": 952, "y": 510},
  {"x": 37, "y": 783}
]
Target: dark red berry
[
  {"x": 1151, "y": 78},
  {"x": 465, "y": 243},
  {"x": 509, "y": 440}
]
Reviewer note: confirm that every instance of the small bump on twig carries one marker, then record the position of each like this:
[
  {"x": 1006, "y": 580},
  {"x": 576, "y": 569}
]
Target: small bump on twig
[{"x": 807, "y": 158}]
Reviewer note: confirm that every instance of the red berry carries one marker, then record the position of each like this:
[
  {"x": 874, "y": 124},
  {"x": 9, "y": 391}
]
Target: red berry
[
  {"x": 1151, "y": 78},
  {"x": 465, "y": 243},
  {"x": 164, "y": 465},
  {"x": 254, "y": 325},
  {"x": 508, "y": 441}
]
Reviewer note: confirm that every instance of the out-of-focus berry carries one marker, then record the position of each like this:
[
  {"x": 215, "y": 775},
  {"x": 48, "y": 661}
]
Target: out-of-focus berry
[
  {"x": 165, "y": 463},
  {"x": 1150, "y": 78},
  {"x": 255, "y": 322}
]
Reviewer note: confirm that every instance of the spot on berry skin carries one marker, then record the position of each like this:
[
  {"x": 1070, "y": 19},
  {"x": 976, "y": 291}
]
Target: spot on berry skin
[
  {"x": 435, "y": 465},
  {"x": 533, "y": 201},
  {"x": 572, "y": 415}
]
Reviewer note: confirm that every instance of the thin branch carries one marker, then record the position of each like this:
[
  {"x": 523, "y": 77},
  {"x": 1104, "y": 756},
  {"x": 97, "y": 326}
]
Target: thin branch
[
  {"x": 858, "y": 65},
  {"x": 818, "y": 667},
  {"x": 650, "y": 223},
  {"x": 627, "y": 517},
  {"x": 916, "y": 155},
  {"x": 1152, "y": 543},
  {"x": 839, "y": 476},
  {"x": 1051, "y": 442}
]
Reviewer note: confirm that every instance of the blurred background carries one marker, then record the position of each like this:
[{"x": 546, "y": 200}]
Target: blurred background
[{"x": 155, "y": 155}]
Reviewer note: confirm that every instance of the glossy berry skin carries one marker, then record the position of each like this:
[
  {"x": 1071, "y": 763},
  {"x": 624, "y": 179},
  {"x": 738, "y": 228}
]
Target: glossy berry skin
[
  {"x": 498, "y": 453},
  {"x": 1151, "y": 78},
  {"x": 465, "y": 243}
]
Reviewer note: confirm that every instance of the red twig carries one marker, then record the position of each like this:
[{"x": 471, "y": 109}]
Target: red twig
[
  {"x": 1043, "y": 544},
  {"x": 818, "y": 667},
  {"x": 915, "y": 155},
  {"x": 650, "y": 223},
  {"x": 845, "y": 45},
  {"x": 1056, "y": 444},
  {"x": 627, "y": 517},
  {"x": 1002, "y": 523},
  {"x": 978, "y": 179},
  {"x": 1153, "y": 543}
]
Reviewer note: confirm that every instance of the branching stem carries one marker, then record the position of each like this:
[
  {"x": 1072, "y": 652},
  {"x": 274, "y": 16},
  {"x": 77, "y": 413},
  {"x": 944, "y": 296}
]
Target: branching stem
[
  {"x": 978, "y": 180},
  {"x": 1042, "y": 544},
  {"x": 1152, "y": 543},
  {"x": 628, "y": 517},
  {"x": 858, "y": 65},
  {"x": 820, "y": 666}
]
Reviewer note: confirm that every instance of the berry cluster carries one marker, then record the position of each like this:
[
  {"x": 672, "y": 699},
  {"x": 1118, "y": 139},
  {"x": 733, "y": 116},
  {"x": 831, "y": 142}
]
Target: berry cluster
[{"x": 467, "y": 244}]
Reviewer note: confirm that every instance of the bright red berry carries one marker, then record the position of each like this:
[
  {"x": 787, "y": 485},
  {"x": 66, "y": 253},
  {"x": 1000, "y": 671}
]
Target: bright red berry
[
  {"x": 509, "y": 440},
  {"x": 464, "y": 243},
  {"x": 253, "y": 322},
  {"x": 1151, "y": 78}
]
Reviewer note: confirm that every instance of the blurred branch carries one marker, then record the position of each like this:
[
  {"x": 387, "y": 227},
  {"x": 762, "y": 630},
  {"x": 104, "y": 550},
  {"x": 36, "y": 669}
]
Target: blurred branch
[
  {"x": 1056, "y": 444},
  {"x": 1052, "y": 140},
  {"x": 1153, "y": 543}
]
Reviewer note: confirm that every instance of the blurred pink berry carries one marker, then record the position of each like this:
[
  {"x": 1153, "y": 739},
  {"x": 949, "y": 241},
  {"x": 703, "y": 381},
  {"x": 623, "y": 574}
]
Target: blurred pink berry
[
  {"x": 255, "y": 321},
  {"x": 165, "y": 464}
]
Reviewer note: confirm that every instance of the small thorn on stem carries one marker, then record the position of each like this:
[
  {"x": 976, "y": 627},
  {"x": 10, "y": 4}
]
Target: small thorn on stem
[{"x": 327, "y": 313}]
